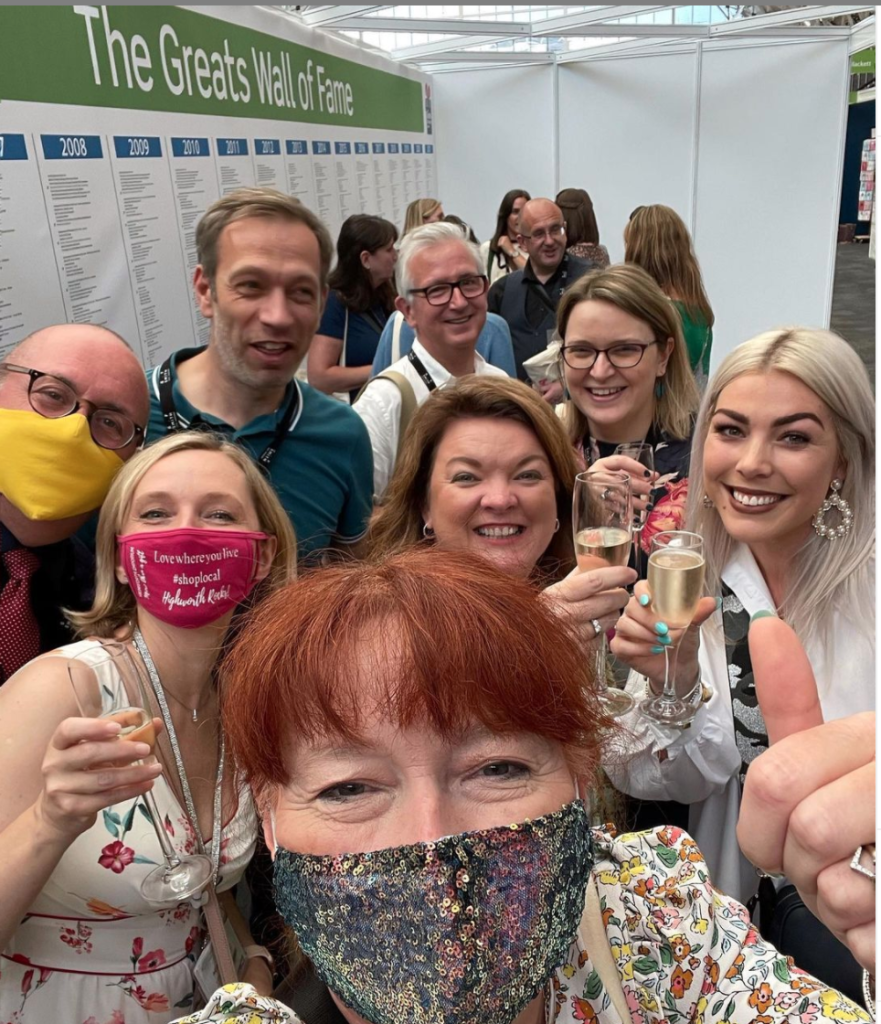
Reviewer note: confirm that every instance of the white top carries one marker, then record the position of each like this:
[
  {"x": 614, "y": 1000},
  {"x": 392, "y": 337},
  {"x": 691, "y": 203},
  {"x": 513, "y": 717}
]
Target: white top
[
  {"x": 380, "y": 408},
  {"x": 703, "y": 761},
  {"x": 496, "y": 270}
]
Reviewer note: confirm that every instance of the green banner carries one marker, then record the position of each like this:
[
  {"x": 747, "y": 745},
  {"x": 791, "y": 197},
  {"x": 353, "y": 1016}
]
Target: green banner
[
  {"x": 862, "y": 63},
  {"x": 171, "y": 59}
]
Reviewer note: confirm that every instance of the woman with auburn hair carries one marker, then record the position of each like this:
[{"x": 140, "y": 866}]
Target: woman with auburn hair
[
  {"x": 582, "y": 233},
  {"x": 75, "y": 850},
  {"x": 423, "y": 790},
  {"x": 627, "y": 377},
  {"x": 501, "y": 254},
  {"x": 783, "y": 494},
  {"x": 486, "y": 467},
  {"x": 657, "y": 240},
  {"x": 422, "y": 211},
  {"x": 360, "y": 301}
]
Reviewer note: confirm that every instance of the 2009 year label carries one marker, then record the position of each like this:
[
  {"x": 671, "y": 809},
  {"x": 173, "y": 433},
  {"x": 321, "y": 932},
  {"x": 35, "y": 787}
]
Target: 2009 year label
[{"x": 128, "y": 146}]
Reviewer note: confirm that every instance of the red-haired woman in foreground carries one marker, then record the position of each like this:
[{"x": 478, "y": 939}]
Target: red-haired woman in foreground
[{"x": 420, "y": 735}]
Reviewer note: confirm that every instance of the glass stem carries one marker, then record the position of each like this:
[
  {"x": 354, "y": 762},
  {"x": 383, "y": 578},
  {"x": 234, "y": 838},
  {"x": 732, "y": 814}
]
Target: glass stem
[
  {"x": 601, "y": 663},
  {"x": 669, "y": 693},
  {"x": 168, "y": 852}
]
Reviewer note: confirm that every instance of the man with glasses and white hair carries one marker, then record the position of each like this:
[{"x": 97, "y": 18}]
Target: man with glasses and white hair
[
  {"x": 73, "y": 409},
  {"x": 442, "y": 294},
  {"x": 527, "y": 299}
]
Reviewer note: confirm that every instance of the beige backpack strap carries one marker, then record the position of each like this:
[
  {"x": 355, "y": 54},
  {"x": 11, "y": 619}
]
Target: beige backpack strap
[
  {"x": 396, "y": 335},
  {"x": 593, "y": 938},
  {"x": 408, "y": 403}
]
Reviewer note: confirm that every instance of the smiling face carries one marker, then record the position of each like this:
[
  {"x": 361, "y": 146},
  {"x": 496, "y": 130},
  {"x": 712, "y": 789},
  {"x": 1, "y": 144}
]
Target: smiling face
[
  {"x": 619, "y": 404},
  {"x": 265, "y": 301},
  {"x": 514, "y": 217},
  {"x": 539, "y": 219},
  {"x": 492, "y": 491},
  {"x": 457, "y": 324},
  {"x": 770, "y": 456},
  {"x": 195, "y": 489}
]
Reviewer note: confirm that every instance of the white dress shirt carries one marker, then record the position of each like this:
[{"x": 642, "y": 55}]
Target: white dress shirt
[
  {"x": 380, "y": 408},
  {"x": 702, "y": 766}
]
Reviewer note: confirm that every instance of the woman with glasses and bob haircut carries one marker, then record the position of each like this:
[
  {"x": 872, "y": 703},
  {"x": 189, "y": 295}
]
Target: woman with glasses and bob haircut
[
  {"x": 625, "y": 367},
  {"x": 783, "y": 495},
  {"x": 189, "y": 532}
]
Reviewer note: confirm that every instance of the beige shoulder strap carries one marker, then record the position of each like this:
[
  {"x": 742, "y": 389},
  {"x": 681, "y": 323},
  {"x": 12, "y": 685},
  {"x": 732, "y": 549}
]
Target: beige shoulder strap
[
  {"x": 593, "y": 938},
  {"x": 408, "y": 402}
]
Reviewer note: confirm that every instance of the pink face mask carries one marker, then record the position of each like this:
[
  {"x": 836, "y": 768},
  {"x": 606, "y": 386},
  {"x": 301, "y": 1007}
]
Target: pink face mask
[{"x": 189, "y": 577}]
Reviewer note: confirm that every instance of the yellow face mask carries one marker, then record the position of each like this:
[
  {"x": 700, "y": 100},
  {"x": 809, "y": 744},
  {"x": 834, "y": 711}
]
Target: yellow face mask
[{"x": 52, "y": 469}]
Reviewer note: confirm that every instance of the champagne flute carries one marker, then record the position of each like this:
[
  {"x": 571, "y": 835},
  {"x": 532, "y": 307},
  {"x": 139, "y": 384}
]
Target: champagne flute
[
  {"x": 109, "y": 683},
  {"x": 602, "y": 523},
  {"x": 644, "y": 454},
  {"x": 676, "y": 580}
]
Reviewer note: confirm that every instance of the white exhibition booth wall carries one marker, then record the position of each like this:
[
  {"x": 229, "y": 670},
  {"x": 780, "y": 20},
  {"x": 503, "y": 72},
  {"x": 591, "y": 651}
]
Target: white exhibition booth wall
[{"x": 743, "y": 138}]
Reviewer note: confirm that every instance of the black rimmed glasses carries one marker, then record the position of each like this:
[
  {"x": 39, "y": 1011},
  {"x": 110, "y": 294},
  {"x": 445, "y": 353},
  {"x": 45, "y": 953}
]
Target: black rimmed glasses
[
  {"x": 55, "y": 398},
  {"x": 554, "y": 231},
  {"x": 579, "y": 356},
  {"x": 440, "y": 294}
]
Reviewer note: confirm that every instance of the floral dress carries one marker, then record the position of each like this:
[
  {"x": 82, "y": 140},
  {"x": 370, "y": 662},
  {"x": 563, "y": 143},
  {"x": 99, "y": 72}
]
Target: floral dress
[
  {"x": 91, "y": 950},
  {"x": 685, "y": 954}
]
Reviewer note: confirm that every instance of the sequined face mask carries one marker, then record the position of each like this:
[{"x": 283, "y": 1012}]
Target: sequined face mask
[{"x": 464, "y": 930}]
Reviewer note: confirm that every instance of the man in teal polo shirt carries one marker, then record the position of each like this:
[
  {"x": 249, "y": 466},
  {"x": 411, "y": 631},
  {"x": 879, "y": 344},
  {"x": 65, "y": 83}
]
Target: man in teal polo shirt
[{"x": 262, "y": 281}]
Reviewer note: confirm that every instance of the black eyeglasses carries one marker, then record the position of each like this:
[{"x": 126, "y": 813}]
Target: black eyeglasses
[
  {"x": 440, "y": 294},
  {"x": 554, "y": 231},
  {"x": 582, "y": 357},
  {"x": 54, "y": 398}
]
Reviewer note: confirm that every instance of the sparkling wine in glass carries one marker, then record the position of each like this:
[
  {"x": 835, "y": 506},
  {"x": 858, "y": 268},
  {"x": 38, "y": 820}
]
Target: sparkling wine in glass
[
  {"x": 109, "y": 683},
  {"x": 676, "y": 581},
  {"x": 602, "y": 524},
  {"x": 644, "y": 454}
]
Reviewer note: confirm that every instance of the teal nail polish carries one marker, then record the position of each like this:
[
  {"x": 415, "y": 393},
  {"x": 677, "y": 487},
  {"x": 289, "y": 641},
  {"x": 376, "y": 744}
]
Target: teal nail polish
[
  {"x": 718, "y": 603},
  {"x": 665, "y": 640},
  {"x": 762, "y": 613},
  {"x": 644, "y": 600},
  {"x": 662, "y": 628},
  {"x": 657, "y": 650}
]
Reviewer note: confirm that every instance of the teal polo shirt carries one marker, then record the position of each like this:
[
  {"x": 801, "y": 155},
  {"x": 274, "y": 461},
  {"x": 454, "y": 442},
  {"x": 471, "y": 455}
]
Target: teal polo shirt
[{"x": 322, "y": 472}]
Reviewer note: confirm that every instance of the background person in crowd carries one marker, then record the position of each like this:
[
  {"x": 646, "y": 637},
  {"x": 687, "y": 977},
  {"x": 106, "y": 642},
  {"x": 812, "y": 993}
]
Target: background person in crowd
[
  {"x": 73, "y": 407},
  {"x": 626, "y": 372},
  {"x": 422, "y": 211},
  {"x": 486, "y": 468},
  {"x": 361, "y": 298},
  {"x": 75, "y": 851},
  {"x": 442, "y": 293},
  {"x": 451, "y": 218},
  {"x": 391, "y": 752},
  {"x": 784, "y": 453},
  {"x": 582, "y": 233},
  {"x": 527, "y": 299},
  {"x": 657, "y": 240},
  {"x": 262, "y": 282},
  {"x": 813, "y": 772},
  {"x": 501, "y": 254}
]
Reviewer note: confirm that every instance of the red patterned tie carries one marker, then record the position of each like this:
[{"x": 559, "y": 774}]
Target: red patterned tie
[{"x": 19, "y": 631}]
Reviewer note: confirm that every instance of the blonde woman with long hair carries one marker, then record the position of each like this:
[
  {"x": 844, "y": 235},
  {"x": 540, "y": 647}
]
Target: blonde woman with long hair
[
  {"x": 422, "y": 211},
  {"x": 77, "y": 836},
  {"x": 783, "y": 494},
  {"x": 657, "y": 240}
]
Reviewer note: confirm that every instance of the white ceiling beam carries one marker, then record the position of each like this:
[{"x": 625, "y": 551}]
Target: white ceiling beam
[
  {"x": 862, "y": 35},
  {"x": 444, "y": 46},
  {"x": 794, "y": 16},
  {"x": 453, "y": 26},
  {"x": 611, "y": 49},
  {"x": 331, "y": 14},
  {"x": 597, "y": 15},
  {"x": 488, "y": 57}
]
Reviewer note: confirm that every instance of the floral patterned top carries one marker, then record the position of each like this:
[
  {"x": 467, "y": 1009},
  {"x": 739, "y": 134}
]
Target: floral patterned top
[
  {"x": 685, "y": 954},
  {"x": 91, "y": 950}
]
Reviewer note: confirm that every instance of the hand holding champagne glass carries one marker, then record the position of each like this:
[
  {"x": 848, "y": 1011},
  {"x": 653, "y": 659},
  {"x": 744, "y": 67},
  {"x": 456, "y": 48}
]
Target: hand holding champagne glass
[
  {"x": 676, "y": 580},
  {"x": 602, "y": 523},
  {"x": 109, "y": 684}
]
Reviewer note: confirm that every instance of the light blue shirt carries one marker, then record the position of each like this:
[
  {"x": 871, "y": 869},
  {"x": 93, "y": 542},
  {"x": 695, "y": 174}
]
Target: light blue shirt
[{"x": 493, "y": 343}]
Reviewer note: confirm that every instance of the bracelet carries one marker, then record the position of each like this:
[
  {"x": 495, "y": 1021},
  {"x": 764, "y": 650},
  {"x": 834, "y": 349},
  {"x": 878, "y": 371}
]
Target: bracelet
[
  {"x": 259, "y": 953},
  {"x": 868, "y": 985},
  {"x": 694, "y": 696}
]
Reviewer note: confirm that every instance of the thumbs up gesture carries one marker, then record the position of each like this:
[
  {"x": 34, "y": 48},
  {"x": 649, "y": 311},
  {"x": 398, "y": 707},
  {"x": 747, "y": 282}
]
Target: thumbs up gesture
[{"x": 809, "y": 800}]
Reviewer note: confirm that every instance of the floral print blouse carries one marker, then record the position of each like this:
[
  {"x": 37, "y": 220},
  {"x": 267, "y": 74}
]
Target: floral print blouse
[{"x": 685, "y": 953}]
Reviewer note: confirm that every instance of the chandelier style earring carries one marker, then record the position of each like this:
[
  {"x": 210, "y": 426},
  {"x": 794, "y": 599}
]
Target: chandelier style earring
[
  {"x": 833, "y": 501},
  {"x": 707, "y": 501}
]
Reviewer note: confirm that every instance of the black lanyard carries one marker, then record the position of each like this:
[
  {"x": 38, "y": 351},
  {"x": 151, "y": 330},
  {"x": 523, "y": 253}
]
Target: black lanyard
[
  {"x": 174, "y": 423},
  {"x": 419, "y": 367},
  {"x": 541, "y": 294}
]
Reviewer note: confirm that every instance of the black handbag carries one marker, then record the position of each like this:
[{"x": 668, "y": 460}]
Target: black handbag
[{"x": 787, "y": 924}]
